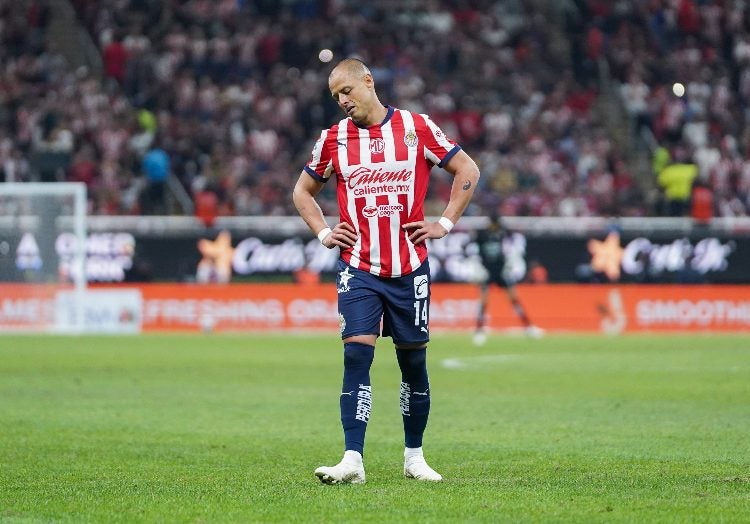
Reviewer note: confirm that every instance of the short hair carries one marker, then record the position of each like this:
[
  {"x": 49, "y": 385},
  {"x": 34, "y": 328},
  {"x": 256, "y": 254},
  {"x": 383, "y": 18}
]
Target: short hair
[{"x": 352, "y": 66}]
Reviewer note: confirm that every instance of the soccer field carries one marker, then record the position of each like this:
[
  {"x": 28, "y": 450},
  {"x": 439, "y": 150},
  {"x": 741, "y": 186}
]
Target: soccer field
[{"x": 217, "y": 428}]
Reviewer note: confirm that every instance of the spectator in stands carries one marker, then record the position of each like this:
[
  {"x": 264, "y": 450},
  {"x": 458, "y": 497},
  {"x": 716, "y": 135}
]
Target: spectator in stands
[
  {"x": 156, "y": 168},
  {"x": 538, "y": 274},
  {"x": 84, "y": 167},
  {"x": 635, "y": 93},
  {"x": 52, "y": 146},
  {"x": 701, "y": 203},
  {"x": 676, "y": 180},
  {"x": 115, "y": 59},
  {"x": 206, "y": 205}
]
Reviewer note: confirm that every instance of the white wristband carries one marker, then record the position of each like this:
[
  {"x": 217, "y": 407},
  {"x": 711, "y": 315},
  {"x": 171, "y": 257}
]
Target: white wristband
[
  {"x": 323, "y": 233},
  {"x": 446, "y": 223}
]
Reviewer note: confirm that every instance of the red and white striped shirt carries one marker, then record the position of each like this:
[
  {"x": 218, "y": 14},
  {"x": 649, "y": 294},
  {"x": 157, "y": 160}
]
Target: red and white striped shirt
[{"x": 382, "y": 173}]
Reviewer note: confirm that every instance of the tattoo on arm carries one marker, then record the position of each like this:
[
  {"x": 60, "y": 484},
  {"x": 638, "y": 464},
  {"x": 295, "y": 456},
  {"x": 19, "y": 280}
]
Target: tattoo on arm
[{"x": 467, "y": 185}]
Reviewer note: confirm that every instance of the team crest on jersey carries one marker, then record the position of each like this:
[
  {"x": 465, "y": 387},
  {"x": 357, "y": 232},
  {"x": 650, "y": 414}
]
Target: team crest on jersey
[
  {"x": 410, "y": 138},
  {"x": 377, "y": 145}
]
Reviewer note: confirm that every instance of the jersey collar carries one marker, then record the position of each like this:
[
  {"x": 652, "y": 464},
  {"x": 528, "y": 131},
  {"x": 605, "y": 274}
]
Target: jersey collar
[{"x": 388, "y": 116}]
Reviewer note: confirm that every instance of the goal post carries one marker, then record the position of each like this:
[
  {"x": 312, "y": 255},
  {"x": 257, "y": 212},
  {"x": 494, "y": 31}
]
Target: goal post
[{"x": 43, "y": 256}]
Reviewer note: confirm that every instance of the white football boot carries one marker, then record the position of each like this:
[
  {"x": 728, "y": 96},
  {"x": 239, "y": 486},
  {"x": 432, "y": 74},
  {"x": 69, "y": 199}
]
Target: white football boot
[
  {"x": 480, "y": 337},
  {"x": 534, "y": 332},
  {"x": 415, "y": 467},
  {"x": 350, "y": 470}
]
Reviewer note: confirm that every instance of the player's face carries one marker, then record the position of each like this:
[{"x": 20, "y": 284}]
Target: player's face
[{"x": 354, "y": 94}]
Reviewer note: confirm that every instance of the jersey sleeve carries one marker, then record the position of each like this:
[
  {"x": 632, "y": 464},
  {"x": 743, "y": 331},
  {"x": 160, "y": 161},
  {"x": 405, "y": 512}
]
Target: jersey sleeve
[
  {"x": 438, "y": 148},
  {"x": 320, "y": 165}
]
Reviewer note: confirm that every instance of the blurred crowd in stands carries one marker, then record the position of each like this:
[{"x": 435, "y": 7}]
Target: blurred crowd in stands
[
  {"x": 225, "y": 98},
  {"x": 683, "y": 71}
]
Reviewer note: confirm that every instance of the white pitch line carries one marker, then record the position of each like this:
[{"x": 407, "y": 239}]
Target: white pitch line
[{"x": 460, "y": 363}]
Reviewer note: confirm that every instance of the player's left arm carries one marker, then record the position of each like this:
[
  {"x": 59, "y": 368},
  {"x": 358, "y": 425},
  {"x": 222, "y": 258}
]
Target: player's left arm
[{"x": 465, "y": 177}]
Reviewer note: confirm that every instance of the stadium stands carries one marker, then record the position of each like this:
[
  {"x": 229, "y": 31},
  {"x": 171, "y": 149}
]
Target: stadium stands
[{"x": 234, "y": 92}]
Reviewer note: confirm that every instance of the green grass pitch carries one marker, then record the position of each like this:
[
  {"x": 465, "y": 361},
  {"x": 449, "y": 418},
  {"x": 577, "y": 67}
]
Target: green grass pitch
[{"x": 229, "y": 428}]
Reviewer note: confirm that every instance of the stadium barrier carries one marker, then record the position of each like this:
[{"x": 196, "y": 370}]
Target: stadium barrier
[
  {"x": 242, "y": 249},
  {"x": 639, "y": 256},
  {"x": 594, "y": 308}
]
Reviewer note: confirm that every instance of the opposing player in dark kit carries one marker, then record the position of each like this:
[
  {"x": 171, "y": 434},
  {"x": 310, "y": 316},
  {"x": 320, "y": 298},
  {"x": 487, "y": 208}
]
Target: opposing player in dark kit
[{"x": 501, "y": 252}]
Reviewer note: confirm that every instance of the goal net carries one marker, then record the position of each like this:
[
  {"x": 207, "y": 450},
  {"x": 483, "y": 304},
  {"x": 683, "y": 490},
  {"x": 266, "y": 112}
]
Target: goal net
[{"x": 42, "y": 256}]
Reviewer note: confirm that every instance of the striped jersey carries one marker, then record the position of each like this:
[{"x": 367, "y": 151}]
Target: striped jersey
[{"x": 382, "y": 172}]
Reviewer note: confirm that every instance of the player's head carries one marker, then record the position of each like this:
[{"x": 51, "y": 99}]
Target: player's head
[{"x": 353, "y": 88}]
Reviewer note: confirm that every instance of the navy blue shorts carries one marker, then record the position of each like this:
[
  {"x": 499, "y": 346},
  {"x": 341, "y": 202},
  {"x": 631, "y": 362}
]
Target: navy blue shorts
[{"x": 402, "y": 303}]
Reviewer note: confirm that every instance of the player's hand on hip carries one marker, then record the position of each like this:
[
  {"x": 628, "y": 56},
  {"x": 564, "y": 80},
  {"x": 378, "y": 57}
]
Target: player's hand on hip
[
  {"x": 342, "y": 235},
  {"x": 424, "y": 229}
]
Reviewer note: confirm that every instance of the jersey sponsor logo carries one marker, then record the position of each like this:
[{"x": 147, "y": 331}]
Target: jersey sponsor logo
[
  {"x": 421, "y": 287},
  {"x": 388, "y": 210},
  {"x": 385, "y": 189},
  {"x": 410, "y": 139},
  {"x": 365, "y": 176},
  {"x": 378, "y": 181},
  {"x": 383, "y": 210},
  {"x": 377, "y": 146}
]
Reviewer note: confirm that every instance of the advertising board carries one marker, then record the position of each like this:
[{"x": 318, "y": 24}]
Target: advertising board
[{"x": 595, "y": 308}]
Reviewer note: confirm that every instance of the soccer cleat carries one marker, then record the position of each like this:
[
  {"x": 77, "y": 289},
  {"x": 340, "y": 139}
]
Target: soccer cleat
[
  {"x": 534, "y": 332},
  {"x": 345, "y": 472},
  {"x": 415, "y": 467},
  {"x": 480, "y": 337}
]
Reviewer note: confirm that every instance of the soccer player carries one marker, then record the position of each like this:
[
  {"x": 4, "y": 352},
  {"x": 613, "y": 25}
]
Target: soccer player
[
  {"x": 501, "y": 252},
  {"x": 381, "y": 158}
]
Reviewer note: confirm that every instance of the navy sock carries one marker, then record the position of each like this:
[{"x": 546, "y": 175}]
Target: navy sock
[
  {"x": 356, "y": 394},
  {"x": 415, "y": 394}
]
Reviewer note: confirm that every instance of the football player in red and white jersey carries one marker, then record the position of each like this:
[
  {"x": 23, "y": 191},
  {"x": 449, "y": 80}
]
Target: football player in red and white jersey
[{"x": 381, "y": 158}]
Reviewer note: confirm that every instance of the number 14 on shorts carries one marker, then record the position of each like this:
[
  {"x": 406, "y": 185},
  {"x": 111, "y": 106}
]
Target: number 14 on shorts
[
  {"x": 420, "y": 313},
  {"x": 421, "y": 290}
]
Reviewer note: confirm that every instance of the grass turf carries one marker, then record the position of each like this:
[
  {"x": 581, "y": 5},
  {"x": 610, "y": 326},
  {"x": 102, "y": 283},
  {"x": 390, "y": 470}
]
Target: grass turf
[{"x": 214, "y": 428}]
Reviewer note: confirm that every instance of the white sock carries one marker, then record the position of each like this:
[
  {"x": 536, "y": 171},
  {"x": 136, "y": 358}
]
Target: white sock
[
  {"x": 352, "y": 457},
  {"x": 413, "y": 452}
]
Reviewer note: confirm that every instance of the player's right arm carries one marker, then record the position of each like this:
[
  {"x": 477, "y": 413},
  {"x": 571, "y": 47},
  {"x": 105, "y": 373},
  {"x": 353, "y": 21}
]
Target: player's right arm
[{"x": 305, "y": 190}]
